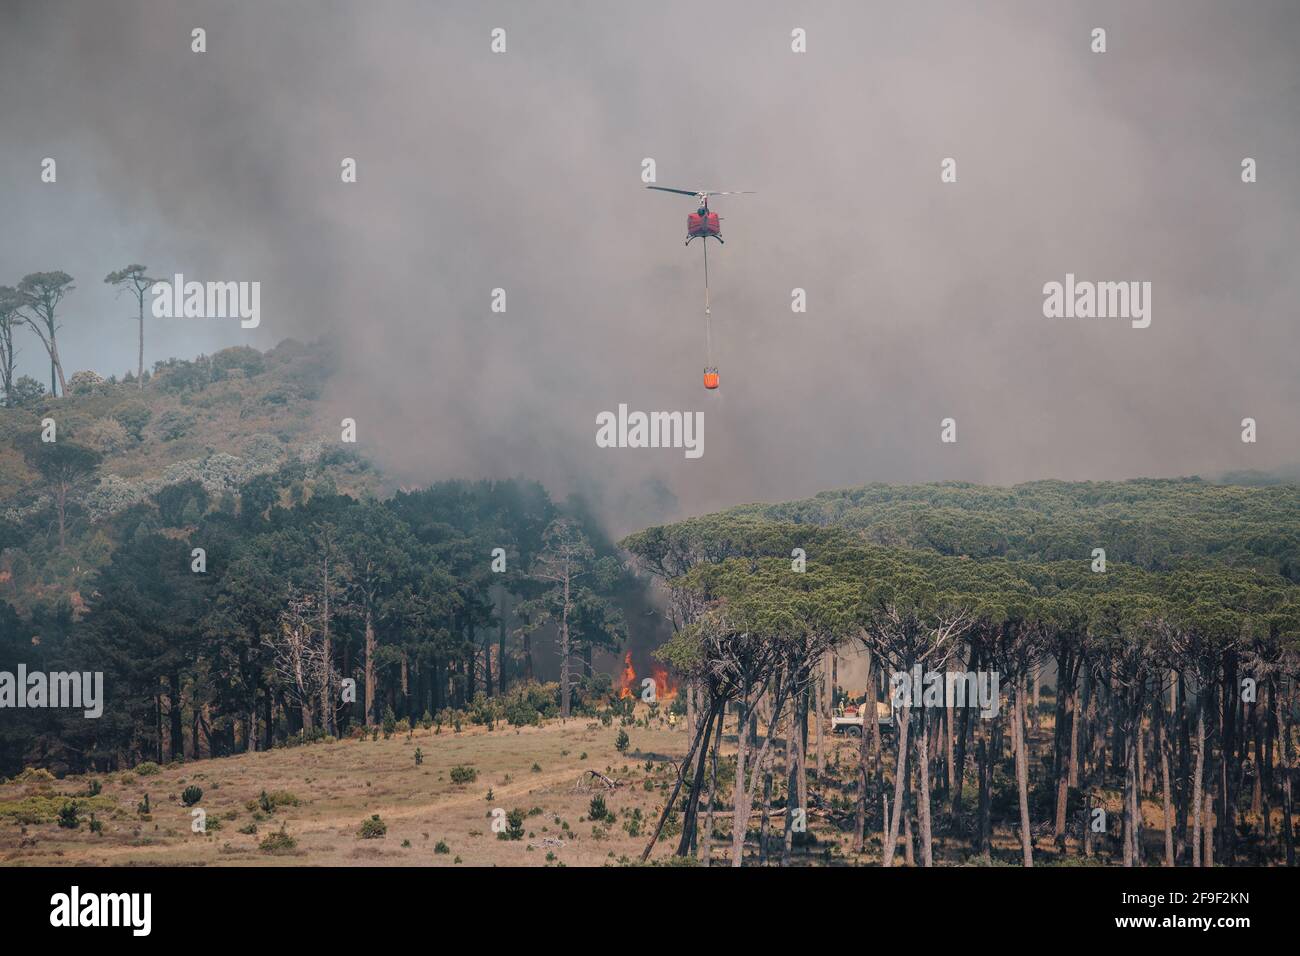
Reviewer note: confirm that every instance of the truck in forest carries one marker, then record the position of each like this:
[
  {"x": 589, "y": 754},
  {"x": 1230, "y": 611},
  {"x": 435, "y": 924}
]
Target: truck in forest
[{"x": 853, "y": 721}]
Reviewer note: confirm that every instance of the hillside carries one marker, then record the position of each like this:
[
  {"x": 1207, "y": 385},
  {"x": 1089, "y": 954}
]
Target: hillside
[{"x": 218, "y": 420}]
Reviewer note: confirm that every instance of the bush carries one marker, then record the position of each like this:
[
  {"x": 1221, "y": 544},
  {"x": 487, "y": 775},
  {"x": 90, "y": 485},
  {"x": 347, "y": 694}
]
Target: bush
[
  {"x": 147, "y": 769},
  {"x": 461, "y": 774},
  {"x": 278, "y": 842},
  {"x": 372, "y": 829},
  {"x": 621, "y": 741},
  {"x": 514, "y": 826},
  {"x": 173, "y": 424},
  {"x": 390, "y": 722},
  {"x": 191, "y": 795},
  {"x": 530, "y": 704},
  {"x": 441, "y": 847},
  {"x": 597, "y": 811},
  {"x": 68, "y": 816}
]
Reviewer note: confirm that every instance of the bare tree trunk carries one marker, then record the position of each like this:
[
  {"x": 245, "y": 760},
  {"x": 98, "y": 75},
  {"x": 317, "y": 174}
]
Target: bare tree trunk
[
  {"x": 984, "y": 827},
  {"x": 370, "y": 669},
  {"x": 1022, "y": 771},
  {"x": 1198, "y": 779},
  {"x": 677, "y": 787},
  {"x": 900, "y": 779},
  {"x": 564, "y": 651},
  {"x": 1162, "y": 743},
  {"x": 860, "y": 815},
  {"x": 794, "y": 761},
  {"x": 1285, "y": 754},
  {"x": 923, "y": 773},
  {"x": 713, "y": 783}
]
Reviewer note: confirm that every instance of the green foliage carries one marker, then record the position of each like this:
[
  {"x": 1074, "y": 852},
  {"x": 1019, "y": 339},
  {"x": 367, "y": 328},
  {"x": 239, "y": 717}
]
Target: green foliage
[
  {"x": 514, "y": 826},
  {"x": 68, "y": 816},
  {"x": 621, "y": 742},
  {"x": 461, "y": 775},
  {"x": 191, "y": 795},
  {"x": 372, "y": 829},
  {"x": 278, "y": 842}
]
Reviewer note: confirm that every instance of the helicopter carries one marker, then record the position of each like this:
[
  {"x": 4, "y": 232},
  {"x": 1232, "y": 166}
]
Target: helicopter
[{"x": 705, "y": 224}]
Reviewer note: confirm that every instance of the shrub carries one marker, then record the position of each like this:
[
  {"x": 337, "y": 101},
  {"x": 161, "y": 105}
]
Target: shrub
[
  {"x": 390, "y": 722},
  {"x": 441, "y": 847},
  {"x": 147, "y": 769},
  {"x": 621, "y": 741},
  {"x": 143, "y": 806},
  {"x": 372, "y": 829},
  {"x": 514, "y": 826},
  {"x": 597, "y": 811},
  {"x": 419, "y": 756},
  {"x": 68, "y": 816},
  {"x": 462, "y": 774},
  {"x": 191, "y": 795},
  {"x": 133, "y": 416},
  {"x": 173, "y": 424},
  {"x": 278, "y": 842}
]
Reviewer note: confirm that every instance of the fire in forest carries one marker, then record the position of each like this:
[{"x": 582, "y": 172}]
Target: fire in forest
[{"x": 628, "y": 684}]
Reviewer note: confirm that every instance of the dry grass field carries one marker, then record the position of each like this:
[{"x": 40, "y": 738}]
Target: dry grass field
[
  {"x": 339, "y": 785},
  {"x": 321, "y": 794}
]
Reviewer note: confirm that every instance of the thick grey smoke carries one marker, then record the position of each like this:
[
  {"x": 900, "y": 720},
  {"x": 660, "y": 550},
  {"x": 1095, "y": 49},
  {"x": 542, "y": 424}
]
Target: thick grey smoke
[{"x": 522, "y": 171}]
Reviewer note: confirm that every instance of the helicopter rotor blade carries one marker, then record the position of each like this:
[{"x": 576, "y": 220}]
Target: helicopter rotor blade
[
  {"x": 731, "y": 192},
  {"x": 682, "y": 192}
]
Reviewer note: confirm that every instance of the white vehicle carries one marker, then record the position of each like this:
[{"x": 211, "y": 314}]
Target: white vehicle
[{"x": 852, "y": 724}]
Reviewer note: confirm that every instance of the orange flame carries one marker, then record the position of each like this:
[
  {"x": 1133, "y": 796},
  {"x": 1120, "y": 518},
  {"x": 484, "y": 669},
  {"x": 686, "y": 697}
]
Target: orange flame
[
  {"x": 665, "y": 689},
  {"x": 628, "y": 678}
]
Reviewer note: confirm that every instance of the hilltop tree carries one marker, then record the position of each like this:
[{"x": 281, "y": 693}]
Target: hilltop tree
[
  {"x": 134, "y": 279},
  {"x": 42, "y": 292},
  {"x": 65, "y": 468},
  {"x": 11, "y": 304}
]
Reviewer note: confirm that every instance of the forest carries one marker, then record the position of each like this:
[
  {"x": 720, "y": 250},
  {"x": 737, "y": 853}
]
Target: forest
[
  {"x": 1174, "y": 681},
  {"x": 246, "y": 582}
]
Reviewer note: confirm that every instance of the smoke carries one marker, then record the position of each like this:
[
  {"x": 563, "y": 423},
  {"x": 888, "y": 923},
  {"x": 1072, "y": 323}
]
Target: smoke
[{"x": 521, "y": 171}]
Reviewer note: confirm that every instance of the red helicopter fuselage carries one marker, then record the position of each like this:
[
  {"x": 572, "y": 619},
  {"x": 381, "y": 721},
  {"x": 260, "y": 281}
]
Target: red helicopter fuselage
[{"x": 703, "y": 225}]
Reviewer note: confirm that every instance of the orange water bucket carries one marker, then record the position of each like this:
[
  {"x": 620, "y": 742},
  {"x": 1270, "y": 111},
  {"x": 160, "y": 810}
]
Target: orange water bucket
[{"x": 710, "y": 378}]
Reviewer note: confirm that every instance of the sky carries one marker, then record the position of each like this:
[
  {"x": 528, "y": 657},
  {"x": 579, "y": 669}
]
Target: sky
[{"x": 522, "y": 171}]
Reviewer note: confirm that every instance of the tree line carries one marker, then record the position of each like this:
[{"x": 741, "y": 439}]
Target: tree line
[
  {"x": 236, "y": 624},
  {"x": 1175, "y": 695}
]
